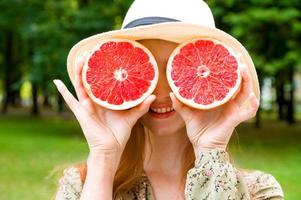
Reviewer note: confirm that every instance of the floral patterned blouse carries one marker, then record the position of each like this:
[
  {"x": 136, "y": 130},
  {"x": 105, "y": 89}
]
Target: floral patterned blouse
[{"x": 212, "y": 178}]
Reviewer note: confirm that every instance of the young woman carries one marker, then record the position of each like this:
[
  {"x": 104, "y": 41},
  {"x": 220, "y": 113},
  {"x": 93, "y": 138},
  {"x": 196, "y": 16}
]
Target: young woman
[{"x": 140, "y": 154}]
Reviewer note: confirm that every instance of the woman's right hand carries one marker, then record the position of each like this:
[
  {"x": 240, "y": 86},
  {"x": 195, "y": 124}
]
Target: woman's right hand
[{"x": 106, "y": 131}]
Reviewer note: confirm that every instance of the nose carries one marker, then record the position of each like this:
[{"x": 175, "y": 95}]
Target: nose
[{"x": 162, "y": 89}]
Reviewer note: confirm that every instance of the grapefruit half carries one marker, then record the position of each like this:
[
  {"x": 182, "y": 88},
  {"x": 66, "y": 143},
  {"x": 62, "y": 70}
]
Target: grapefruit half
[
  {"x": 119, "y": 74},
  {"x": 203, "y": 73}
]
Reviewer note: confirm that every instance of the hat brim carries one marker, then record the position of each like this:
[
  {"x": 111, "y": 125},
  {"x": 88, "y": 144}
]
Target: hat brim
[{"x": 177, "y": 32}]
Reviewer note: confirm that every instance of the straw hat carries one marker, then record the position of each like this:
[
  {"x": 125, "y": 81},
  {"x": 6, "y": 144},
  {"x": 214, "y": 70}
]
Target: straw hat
[{"x": 171, "y": 20}]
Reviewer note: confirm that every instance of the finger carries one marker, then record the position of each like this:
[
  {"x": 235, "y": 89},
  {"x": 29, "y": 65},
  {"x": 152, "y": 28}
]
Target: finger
[
  {"x": 136, "y": 112},
  {"x": 182, "y": 109},
  {"x": 83, "y": 97},
  {"x": 250, "y": 111},
  {"x": 100, "y": 110},
  {"x": 246, "y": 87},
  {"x": 79, "y": 88},
  {"x": 68, "y": 97},
  {"x": 89, "y": 106}
]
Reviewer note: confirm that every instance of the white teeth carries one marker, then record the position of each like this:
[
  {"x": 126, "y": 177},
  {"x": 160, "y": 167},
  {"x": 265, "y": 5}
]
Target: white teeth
[{"x": 162, "y": 110}]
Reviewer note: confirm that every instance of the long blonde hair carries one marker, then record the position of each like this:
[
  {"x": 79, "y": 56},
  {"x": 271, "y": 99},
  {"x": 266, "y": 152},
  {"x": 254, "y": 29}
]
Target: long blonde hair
[{"x": 130, "y": 168}]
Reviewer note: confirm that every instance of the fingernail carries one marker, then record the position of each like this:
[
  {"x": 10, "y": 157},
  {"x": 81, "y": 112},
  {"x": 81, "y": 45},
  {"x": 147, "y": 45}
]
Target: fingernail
[
  {"x": 85, "y": 53},
  {"x": 243, "y": 66},
  {"x": 82, "y": 56},
  {"x": 79, "y": 60},
  {"x": 56, "y": 81},
  {"x": 154, "y": 97}
]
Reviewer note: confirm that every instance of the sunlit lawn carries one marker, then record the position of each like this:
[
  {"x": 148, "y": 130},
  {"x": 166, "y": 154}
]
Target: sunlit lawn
[
  {"x": 32, "y": 149},
  {"x": 276, "y": 149}
]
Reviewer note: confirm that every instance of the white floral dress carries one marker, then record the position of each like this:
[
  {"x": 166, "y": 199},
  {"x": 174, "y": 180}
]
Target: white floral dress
[{"x": 212, "y": 178}]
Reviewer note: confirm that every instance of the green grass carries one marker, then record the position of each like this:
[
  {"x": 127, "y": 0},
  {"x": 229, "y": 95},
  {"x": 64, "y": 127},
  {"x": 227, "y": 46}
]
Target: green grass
[
  {"x": 33, "y": 148},
  {"x": 276, "y": 149}
]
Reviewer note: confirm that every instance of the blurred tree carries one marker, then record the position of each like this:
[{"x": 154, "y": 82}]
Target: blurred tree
[
  {"x": 270, "y": 30},
  {"x": 11, "y": 49},
  {"x": 36, "y": 37},
  {"x": 45, "y": 31}
]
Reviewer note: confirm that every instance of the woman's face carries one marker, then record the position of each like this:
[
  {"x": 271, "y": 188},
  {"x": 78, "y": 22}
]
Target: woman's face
[{"x": 161, "y": 121}]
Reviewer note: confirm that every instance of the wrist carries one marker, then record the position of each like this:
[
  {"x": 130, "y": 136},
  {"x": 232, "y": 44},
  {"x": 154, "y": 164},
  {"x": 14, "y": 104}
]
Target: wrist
[
  {"x": 101, "y": 169},
  {"x": 104, "y": 160},
  {"x": 208, "y": 147}
]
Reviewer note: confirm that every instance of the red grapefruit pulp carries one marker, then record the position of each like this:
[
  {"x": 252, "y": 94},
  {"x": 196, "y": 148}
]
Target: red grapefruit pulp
[
  {"x": 203, "y": 73},
  {"x": 119, "y": 74}
]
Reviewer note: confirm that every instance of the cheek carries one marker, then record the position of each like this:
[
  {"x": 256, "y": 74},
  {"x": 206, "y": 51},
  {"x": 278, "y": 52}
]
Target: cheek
[{"x": 165, "y": 126}]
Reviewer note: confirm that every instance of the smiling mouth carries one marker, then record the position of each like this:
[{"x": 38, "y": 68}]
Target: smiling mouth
[
  {"x": 161, "y": 114},
  {"x": 161, "y": 110}
]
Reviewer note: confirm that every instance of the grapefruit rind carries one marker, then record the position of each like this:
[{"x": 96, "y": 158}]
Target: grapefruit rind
[
  {"x": 126, "y": 104},
  {"x": 190, "y": 102}
]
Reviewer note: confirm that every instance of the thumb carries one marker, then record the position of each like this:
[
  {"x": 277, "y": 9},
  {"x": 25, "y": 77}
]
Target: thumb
[
  {"x": 176, "y": 104},
  {"x": 182, "y": 109},
  {"x": 136, "y": 112}
]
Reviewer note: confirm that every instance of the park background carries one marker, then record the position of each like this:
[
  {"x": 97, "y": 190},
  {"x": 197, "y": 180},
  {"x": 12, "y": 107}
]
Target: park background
[{"x": 39, "y": 136}]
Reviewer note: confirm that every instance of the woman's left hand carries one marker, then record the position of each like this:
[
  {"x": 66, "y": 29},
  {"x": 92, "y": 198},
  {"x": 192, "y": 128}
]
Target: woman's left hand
[{"x": 211, "y": 129}]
